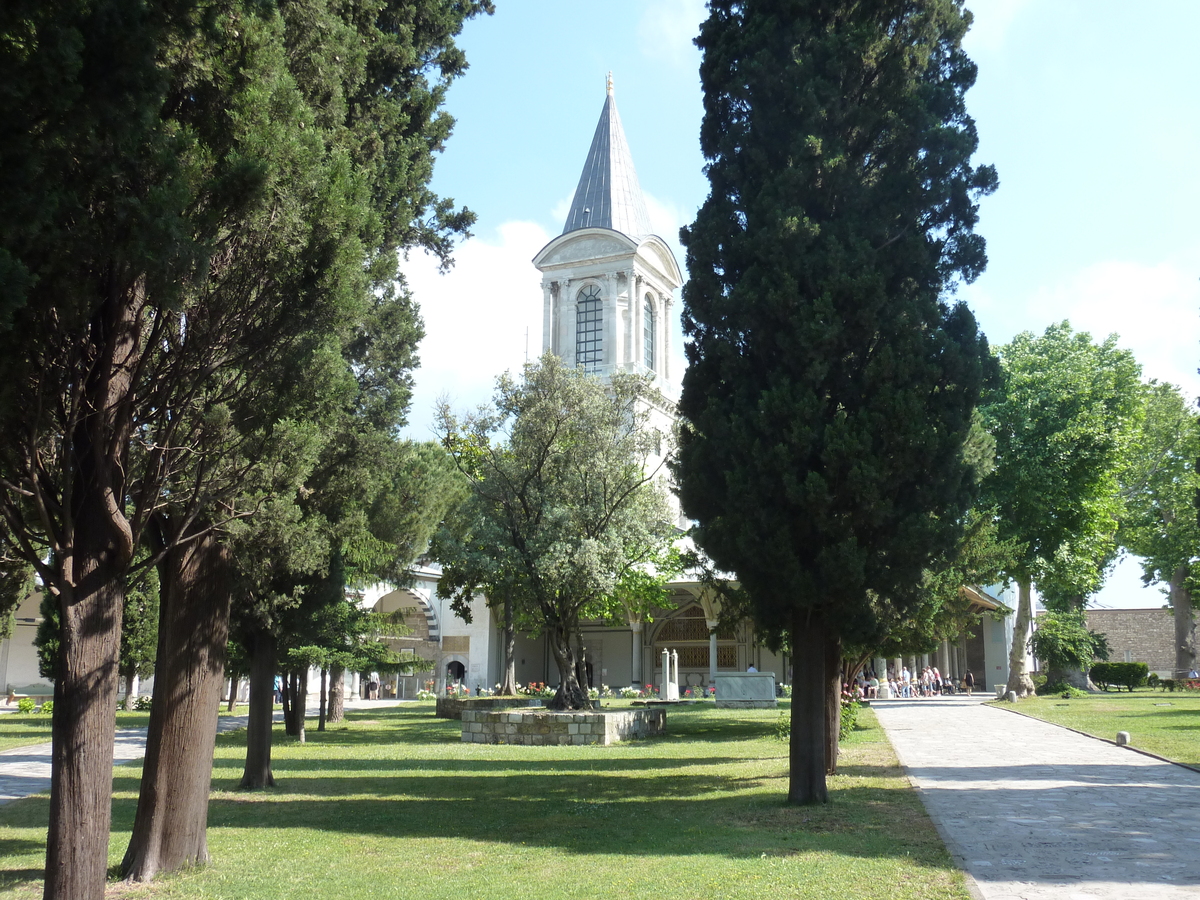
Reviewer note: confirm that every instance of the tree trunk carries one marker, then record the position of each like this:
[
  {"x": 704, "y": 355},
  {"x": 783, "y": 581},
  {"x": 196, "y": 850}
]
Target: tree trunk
[
  {"x": 337, "y": 693},
  {"x": 570, "y": 695},
  {"x": 508, "y": 678},
  {"x": 295, "y": 688},
  {"x": 1018, "y": 674},
  {"x": 85, "y": 692},
  {"x": 1185, "y": 636},
  {"x": 810, "y": 646},
  {"x": 324, "y": 697},
  {"x": 259, "y": 724},
  {"x": 98, "y": 547},
  {"x": 833, "y": 703},
  {"x": 234, "y": 684},
  {"x": 1076, "y": 678},
  {"x": 169, "y": 831}
]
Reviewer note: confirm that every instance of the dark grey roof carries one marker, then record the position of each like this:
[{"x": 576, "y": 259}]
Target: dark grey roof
[{"x": 608, "y": 195}]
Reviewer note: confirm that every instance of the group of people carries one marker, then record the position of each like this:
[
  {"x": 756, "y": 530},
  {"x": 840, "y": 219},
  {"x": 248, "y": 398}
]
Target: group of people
[{"x": 929, "y": 682}]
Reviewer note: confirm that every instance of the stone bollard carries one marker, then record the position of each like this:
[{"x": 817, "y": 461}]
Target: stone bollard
[
  {"x": 1122, "y": 738},
  {"x": 1011, "y": 696}
]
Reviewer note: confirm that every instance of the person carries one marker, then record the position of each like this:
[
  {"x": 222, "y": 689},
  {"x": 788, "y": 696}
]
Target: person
[
  {"x": 906, "y": 683},
  {"x": 278, "y": 689},
  {"x": 969, "y": 682},
  {"x": 873, "y": 687},
  {"x": 750, "y": 668}
]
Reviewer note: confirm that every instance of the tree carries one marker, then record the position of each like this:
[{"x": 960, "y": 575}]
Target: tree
[
  {"x": 1159, "y": 486},
  {"x": 830, "y": 389},
  {"x": 1066, "y": 645},
  {"x": 563, "y": 503},
  {"x": 194, "y": 201},
  {"x": 1062, "y": 422}
]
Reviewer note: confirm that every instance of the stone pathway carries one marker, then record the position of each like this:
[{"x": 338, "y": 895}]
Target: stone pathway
[
  {"x": 26, "y": 770},
  {"x": 1032, "y": 811}
]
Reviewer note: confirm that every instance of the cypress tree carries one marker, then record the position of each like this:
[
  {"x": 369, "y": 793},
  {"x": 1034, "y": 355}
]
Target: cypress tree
[{"x": 831, "y": 386}]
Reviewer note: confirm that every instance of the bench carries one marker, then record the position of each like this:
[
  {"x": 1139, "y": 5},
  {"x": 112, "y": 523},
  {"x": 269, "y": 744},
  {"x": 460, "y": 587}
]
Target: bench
[{"x": 40, "y": 693}]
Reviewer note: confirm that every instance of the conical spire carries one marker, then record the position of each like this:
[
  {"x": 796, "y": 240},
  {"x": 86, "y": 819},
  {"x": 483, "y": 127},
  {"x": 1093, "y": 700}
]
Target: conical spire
[{"x": 608, "y": 195}]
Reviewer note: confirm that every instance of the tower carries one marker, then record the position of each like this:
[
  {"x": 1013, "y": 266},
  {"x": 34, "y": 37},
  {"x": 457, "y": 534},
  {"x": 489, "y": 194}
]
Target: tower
[{"x": 608, "y": 284}]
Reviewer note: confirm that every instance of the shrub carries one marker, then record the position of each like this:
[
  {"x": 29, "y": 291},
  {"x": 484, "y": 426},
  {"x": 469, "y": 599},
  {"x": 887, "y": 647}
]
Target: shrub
[
  {"x": 47, "y": 708},
  {"x": 423, "y": 694},
  {"x": 1152, "y": 680},
  {"x": 1060, "y": 689},
  {"x": 26, "y": 705},
  {"x": 142, "y": 703},
  {"x": 1127, "y": 675},
  {"x": 850, "y": 709},
  {"x": 785, "y": 690}
]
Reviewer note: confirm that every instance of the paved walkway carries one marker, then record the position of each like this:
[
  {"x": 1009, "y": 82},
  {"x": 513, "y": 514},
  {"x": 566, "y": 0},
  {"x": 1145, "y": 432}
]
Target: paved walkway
[
  {"x": 26, "y": 770},
  {"x": 1034, "y": 811}
]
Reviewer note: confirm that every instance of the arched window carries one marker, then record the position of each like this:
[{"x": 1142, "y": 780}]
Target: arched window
[
  {"x": 589, "y": 329},
  {"x": 648, "y": 331}
]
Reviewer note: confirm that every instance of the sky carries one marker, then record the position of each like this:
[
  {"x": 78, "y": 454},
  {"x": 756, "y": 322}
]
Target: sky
[{"x": 1087, "y": 108}]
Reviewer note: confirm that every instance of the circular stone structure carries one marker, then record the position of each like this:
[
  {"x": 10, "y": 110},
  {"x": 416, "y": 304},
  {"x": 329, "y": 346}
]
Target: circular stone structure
[
  {"x": 452, "y": 707},
  {"x": 546, "y": 728}
]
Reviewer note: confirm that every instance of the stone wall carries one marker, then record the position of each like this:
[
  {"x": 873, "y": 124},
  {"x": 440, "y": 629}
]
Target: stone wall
[
  {"x": 1138, "y": 635},
  {"x": 547, "y": 728},
  {"x": 452, "y": 707}
]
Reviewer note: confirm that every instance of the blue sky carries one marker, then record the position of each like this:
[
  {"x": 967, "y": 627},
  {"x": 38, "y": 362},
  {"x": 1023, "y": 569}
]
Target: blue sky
[{"x": 1087, "y": 109}]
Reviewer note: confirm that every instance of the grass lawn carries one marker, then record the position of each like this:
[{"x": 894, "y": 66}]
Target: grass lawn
[
  {"x": 1167, "y": 724},
  {"x": 391, "y": 804},
  {"x": 22, "y": 729}
]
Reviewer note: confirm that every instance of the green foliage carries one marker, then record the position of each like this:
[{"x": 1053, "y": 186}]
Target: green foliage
[
  {"x": 1063, "y": 422},
  {"x": 565, "y": 518},
  {"x": 1063, "y": 641},
  {"x": 16, "y": 583},
  {"x": 139, "y": 626},
  {"x": 26, "y": 705},
  {"x": 830, "y": 389},
  {"x": 1152, "y": 680},
  {"x": 47, "y": 708},
  {"x": 1128, "y": 675}
]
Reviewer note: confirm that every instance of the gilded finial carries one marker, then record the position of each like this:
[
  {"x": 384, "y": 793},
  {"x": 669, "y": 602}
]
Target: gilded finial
[{"x": 610, "y": 85}]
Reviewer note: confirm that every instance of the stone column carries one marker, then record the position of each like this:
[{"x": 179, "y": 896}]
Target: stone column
[
  {"x": 665, "y": 690},
  {"x": 674, "y": 675},
  {"x": 637, "y": 321},
  {"x": 664, "y": 328},
  {"x": 612, "y": 314},
  {"x": 548, "y": 316},
  {"x": 712, "y": 651},
  {"x": 636, "y": 668},
  {"x": 566, "y": 323}
]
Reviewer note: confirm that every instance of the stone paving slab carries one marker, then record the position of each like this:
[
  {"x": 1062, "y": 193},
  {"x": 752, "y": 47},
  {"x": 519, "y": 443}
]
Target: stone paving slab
[
  {"x": 1032, "y": 811},
  {"x": 26, "y": 770}
]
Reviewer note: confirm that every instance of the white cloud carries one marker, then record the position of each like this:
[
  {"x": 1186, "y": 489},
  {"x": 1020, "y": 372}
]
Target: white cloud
[
  {"x": 1152, "y": 308},
  {"x": 476, "y": 318},
  {"x": 666, "y": 30}
]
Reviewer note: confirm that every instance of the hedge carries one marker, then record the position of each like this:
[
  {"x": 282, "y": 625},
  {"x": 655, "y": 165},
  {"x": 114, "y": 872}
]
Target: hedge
[{"x": 1119, "y": 674}]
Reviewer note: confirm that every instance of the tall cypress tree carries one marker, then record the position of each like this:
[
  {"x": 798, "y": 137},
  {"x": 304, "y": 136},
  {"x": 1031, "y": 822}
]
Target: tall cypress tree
[{"x": 831, "y": 386}]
